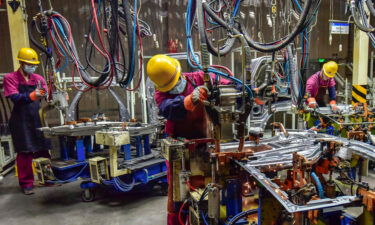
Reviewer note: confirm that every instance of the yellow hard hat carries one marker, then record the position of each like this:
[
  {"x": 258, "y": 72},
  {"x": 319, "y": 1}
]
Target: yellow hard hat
[
  {"x": 28, "y": 55},
  {"x": 330, "y": 69},
  {"x": 164, "y": 72}
]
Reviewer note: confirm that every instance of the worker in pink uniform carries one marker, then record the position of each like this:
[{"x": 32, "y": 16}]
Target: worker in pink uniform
[
  {"x": 179, "y": 97},
  {"x": 317, "y": 85},
  {"x": 26, "y": 89}
]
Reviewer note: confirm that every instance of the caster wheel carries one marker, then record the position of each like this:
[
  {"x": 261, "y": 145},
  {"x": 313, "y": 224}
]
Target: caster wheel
[{"x": 87, "y": 195}]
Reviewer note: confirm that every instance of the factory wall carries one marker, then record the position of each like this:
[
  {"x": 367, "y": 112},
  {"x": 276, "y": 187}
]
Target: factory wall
[{"x": 167, "y": 18}]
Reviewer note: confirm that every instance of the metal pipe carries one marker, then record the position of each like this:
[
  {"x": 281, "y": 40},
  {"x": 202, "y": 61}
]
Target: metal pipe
[
  {"x": 124, "y": 114},
  {"x": 72, "y": 110}
]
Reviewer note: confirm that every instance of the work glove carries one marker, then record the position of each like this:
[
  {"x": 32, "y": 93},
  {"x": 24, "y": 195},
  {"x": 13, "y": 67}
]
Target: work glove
[
  {"x": 311, "y": 102},
  {"x": 197, "y": 96},
  {"x": 333, "y": 105},
  {"x": 37, "y": 94}
]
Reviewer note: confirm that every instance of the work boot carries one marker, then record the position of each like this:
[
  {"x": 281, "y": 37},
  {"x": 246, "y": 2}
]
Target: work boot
[{"x": 28, "y": 191}]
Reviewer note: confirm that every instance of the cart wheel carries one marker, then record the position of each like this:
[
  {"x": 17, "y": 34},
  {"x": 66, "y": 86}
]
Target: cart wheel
[
  {"x": 164, "y": 189},
  {"x": 87, "y": 195}
]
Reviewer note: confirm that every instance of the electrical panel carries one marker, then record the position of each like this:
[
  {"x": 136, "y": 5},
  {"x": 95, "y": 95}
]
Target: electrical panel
[
  {"x": 43, "y": 170},
  {"x": 98, "y": 169}
]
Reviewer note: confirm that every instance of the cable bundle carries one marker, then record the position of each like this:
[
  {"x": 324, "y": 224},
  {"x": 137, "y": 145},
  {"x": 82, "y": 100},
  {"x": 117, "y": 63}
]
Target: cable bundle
[
  {"x": 193, "y": 59},
  {"x": 307, "y": 15},
  {"x": 119, "y": 184},
  {"x": 361, "y": 19},
  {"x": 120, "y": 22}
]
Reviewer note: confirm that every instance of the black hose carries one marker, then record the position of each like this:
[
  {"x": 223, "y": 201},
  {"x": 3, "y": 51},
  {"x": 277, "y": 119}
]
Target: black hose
[
  {"x": 354, "y": 12},
  {"x": 203, "y": 44},
  {"x": 370, "y": 6},
  {"x": 261, "y": 47},
  {"x": 241, "y": 215},
  {"x": 114, "y": 34},
  {"x": 220, "y": 50},
  {"x": 85, "y": 76},
  {"x": 293, "y": 76},
  {"x": 37, "y": 44},
  {"x": 126, "y": 16},
  {"x": 217, "y": 50}
]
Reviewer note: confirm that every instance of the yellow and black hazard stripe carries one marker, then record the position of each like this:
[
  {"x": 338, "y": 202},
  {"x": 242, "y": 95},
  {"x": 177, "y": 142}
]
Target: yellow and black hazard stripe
[{"x": 359, "y": 93}]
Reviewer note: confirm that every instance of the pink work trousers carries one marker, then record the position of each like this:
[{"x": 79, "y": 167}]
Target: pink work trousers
[{"x": 24, "y": 167}]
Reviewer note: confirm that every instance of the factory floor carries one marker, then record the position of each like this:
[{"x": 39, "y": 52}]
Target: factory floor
[{"x": 62, "y": 205}]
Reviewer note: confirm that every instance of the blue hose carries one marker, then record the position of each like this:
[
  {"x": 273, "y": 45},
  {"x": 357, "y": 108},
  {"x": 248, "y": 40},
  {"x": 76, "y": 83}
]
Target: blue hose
[
  {"x": 119, "y": 184},
  {"x": 66, "y": 61},
  {"x": 71, "y": 179},
  {"x": 204, "y": 218},
  {"x": 298, "y": 5},
  {"x": 318, "y": 184},
  {"x": 235, "y": 218},
  {"x": 236, "y": 7},
  {"x": 190, "y": 49}
]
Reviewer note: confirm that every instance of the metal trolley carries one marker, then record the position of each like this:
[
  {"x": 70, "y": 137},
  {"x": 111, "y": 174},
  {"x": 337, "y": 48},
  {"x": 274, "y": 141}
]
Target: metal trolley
[{"x": 104, "y": 153}]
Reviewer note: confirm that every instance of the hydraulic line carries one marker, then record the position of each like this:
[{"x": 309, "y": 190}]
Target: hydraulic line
[
  {"x": 192, "y": 59},
  {"x": 370, "y": 6},
  {"x": 365, "y": 22},
  {"x": 293, "y": 76},
  {"x": 230, "y": 41},
  {"x": 353, "y": 10},
  {"x": 125, "y": 14},
  {"x": 61, "y": 25},
  {"x": 241, "y": 215},
  {"x": 277, "y": 45},
  {"x": 62, "y": 39},
  {"x": 203, "y": 46},
  {"x": 72, "y": 178},
  {"x": 131, "y": 38}
]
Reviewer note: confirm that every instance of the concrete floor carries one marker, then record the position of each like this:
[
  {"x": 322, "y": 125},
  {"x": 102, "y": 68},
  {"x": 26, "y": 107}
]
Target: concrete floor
[{"x": 62, "y": 205}]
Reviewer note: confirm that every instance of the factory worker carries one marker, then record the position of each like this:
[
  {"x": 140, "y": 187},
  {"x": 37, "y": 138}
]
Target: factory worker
[
  {"x": 317, "y": 85},
  {"x": 26, "y": 89},
  {"x": 179, "y": 97}
]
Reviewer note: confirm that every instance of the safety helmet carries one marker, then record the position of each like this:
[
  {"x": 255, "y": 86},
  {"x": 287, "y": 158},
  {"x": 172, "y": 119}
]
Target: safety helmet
[
  {"x": 28, "y": 55},
  {"x": 164, "y": 72},
  {"x": 330, "y": 69}
]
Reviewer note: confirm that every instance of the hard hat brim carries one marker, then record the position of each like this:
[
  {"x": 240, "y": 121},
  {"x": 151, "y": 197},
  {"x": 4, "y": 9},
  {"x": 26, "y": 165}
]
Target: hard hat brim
[
  {"x": 174, "y": 81},
  {"x": 29, "y": 61}
]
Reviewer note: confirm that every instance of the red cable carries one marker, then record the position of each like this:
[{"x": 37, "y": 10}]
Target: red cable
[
  {"x": 224, "y": 68},
  {"x": 180, "y": 212},
  {"x": 191, "y": 186},
  {"x": 95, "y": 18},
  {"x": 109, "y": 81}
]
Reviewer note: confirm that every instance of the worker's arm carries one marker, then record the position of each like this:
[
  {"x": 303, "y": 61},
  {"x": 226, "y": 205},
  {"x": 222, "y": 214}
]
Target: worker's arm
[
  {"x": 332, "y": 89},
  {"x": 310, "y": 89},
  {"x": 332, "y": 93},
  {"x": 173, "y": 109},
  {"x": 24, "y": 97},
  {"x": 11, "y": 90}
]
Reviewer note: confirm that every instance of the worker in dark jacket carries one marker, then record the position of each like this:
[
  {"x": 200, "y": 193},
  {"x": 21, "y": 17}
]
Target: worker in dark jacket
[
  {"x": 318, "y": 83},
  {"x": 179, "y": 97},
  {"x": 26, "y": 89}
]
